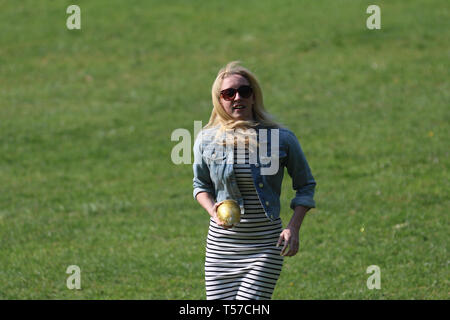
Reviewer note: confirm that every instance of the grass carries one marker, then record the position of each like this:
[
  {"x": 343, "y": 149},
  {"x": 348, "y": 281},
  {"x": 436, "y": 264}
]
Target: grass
[{"x": 86, "y": 118}]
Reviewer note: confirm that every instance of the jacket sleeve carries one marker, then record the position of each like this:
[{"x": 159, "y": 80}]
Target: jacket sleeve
[
  {"x": 202, "y": 180},
  {"x": 302, "y": 179}
]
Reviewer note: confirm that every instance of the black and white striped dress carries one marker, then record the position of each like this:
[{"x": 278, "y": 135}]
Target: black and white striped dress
[{"x": 243, "y": 262}]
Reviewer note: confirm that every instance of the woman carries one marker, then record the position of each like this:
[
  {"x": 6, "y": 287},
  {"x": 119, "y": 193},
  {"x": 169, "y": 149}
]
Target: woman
[{"x": 245, "y": 261}]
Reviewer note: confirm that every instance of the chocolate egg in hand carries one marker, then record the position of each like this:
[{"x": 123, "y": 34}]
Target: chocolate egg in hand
[{"x": 229, "y": 213}]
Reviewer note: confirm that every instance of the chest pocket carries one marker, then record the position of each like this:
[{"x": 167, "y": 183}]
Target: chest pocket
[
  {"x": 216, "y": 160},
  {"x": 214, "y": 157}
]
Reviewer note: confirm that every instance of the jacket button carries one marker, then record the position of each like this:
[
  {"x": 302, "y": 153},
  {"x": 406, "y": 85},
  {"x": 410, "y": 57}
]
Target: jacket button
[
  {"x": 257, "y": 165},
  {"x": 261, "y": 185},
  {"x": 267, "y": 203}
]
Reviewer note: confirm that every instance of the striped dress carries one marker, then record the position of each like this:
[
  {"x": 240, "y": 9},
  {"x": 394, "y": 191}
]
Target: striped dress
[{"x": 243, "y": 262}]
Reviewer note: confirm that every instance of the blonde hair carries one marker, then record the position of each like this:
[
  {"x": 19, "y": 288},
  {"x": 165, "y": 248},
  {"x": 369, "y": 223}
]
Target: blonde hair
[{"x": 219, "y": 117}]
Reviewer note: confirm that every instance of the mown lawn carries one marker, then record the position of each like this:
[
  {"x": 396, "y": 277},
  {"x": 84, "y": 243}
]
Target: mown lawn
[{"x": 86, "y": 118}]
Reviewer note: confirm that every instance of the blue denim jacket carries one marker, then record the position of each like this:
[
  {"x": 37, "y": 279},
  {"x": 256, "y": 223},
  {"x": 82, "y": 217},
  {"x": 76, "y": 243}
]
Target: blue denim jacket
[{"x": 213, "y": 170}]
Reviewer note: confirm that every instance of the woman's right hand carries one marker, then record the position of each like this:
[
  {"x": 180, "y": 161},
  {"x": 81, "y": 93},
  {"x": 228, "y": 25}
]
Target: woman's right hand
[
  {"x": 213, "y": 214},
  {"x": 207, "y": 202}
]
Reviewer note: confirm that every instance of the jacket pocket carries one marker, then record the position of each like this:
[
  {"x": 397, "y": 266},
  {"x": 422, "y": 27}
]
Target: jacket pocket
[
  {"x": 214, "y": 155},
  {"x": 216, "y": 159}
]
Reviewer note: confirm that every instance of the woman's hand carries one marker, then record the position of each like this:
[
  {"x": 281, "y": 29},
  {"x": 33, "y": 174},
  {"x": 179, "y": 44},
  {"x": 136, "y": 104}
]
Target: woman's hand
[
  {"x": 291, "y": 240},
  {"x": 290, "y": 234},
  {"x": 213, "y": 214},
  {"x": 207, "y": 202}
]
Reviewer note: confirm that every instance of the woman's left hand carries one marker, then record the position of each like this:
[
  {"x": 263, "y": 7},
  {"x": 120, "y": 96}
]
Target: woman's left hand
[{"x": 291, "y": 239}]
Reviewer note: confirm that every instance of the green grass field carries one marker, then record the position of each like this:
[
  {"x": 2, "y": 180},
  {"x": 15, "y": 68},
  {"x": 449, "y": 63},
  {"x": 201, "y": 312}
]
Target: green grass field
[{"x": 86, "y": 118}]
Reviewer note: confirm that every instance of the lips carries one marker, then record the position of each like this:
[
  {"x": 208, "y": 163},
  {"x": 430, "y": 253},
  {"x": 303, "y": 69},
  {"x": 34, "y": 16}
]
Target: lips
[{"x": 238, "y": 107}]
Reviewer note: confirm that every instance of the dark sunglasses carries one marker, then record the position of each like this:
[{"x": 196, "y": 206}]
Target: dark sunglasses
[{"x": 229, "y": 94}]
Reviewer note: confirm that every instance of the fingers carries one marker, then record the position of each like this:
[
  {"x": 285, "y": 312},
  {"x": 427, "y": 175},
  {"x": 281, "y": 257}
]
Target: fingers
[
  {"x": 215, "y": 208},
  {"x": 216, "y": 218},
  {"x": 280, "y": 240},
  {"x": 285, "y": 246},
  {"x": 290, "y": 241},
  {"x": 285, "y": 238},
  {"x": 217, "y": 204}
]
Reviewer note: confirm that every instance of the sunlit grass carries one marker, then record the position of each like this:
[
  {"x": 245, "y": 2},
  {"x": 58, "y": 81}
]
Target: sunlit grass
[{"x": 86, "y": 118}]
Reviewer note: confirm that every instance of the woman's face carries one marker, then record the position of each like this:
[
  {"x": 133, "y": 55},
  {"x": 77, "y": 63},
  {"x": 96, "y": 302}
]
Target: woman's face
[{"x": 239, "y": 107}]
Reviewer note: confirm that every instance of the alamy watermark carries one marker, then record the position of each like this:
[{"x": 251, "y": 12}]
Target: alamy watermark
[
  {"x": 74, "y": 280},
  {"x": 374, "y": 20},
  {"x": 374, "y": 281},
  {"x": 74, "y": 20},
  {"x": 224, "y": 153}
]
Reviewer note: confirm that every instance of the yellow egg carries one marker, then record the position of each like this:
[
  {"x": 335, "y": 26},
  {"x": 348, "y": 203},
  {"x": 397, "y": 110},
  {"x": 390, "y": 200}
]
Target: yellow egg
[{"x": 229, "y": 213}]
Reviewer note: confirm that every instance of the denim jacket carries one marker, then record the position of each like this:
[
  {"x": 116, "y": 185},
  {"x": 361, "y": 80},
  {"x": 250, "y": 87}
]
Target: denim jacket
[{"x": 213, "y": 170}]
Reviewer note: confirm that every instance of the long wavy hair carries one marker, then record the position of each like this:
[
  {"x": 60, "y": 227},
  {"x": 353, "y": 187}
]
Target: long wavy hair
[{"x": 225, "y": 123}]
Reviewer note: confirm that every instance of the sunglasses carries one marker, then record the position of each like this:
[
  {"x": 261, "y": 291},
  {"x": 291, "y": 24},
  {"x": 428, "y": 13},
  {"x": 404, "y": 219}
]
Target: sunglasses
[{"x": 229, "y": 94}]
